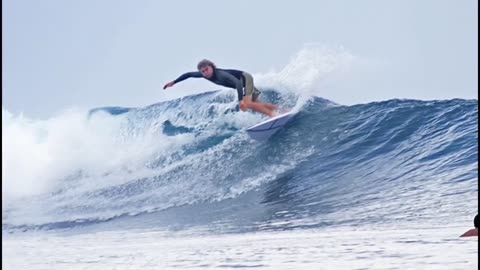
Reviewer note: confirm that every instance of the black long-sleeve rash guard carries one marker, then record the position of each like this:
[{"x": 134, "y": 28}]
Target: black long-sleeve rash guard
[{"x": 230, "y": 78}]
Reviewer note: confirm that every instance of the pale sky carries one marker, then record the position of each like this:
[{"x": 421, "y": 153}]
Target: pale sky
[{"x": 59, "y": 54}]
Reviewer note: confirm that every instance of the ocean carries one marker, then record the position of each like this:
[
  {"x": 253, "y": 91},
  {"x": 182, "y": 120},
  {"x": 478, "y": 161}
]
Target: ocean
[{"x": 180, "y": 185}]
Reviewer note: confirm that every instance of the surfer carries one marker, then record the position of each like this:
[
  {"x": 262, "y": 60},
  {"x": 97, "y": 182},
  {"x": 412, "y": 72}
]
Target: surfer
[
  {"x": 231, "y": 78},
  {"x": 472, "y": 232}
]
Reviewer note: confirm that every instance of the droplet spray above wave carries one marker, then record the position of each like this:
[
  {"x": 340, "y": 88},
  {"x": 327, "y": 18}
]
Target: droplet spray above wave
[{"x": 309, "y": 72}]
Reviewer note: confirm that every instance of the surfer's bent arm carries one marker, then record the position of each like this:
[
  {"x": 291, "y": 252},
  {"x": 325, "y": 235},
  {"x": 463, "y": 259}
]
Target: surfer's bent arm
[
  {"x": 193, "y": 74},
  {"x": 233, "y": 81}
]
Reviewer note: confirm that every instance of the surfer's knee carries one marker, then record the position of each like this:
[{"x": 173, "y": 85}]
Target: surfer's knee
[{"x": 247, "y": 100}]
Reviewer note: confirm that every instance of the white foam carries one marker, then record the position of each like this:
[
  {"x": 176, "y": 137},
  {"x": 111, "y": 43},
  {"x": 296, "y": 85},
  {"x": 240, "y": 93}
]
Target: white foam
[{"x": 37, "y": 153}]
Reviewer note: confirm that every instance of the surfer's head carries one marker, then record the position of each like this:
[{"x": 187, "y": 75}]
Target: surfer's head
[{"x": 206, "y": 67}]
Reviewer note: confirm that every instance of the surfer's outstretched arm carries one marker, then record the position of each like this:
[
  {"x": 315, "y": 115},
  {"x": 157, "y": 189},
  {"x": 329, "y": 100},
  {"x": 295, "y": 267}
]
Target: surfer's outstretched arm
[{"x": 193, "y": 74}]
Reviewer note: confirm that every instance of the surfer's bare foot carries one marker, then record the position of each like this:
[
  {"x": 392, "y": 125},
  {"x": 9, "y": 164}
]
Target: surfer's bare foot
[{"x": 271, "y": 106}]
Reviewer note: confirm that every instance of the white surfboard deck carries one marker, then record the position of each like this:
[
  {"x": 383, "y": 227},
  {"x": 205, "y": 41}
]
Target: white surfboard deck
[{"x": 267, "y": 128}]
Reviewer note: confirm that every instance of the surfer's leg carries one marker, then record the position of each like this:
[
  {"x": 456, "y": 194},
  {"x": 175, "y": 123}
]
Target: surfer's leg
[
  {"x": 253, "y": 92},
  {"x": 258, "y": 106},
  {"x": 255, "y": 98}
]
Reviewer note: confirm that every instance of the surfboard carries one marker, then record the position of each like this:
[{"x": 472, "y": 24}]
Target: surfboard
[{"x": 267, "y": 128}]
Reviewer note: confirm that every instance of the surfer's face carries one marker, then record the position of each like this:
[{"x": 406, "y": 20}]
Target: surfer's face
[{"x": 207, "y": 71}]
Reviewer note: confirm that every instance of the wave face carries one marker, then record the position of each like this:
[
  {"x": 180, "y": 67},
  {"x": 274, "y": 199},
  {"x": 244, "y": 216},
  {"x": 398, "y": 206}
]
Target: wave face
[{"x": 188, "y": 162}]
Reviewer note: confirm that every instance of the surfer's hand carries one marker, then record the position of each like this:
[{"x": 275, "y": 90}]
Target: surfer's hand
[
  {"x": 170, "y": 84},
  {"x": 243, "y": 107}
]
